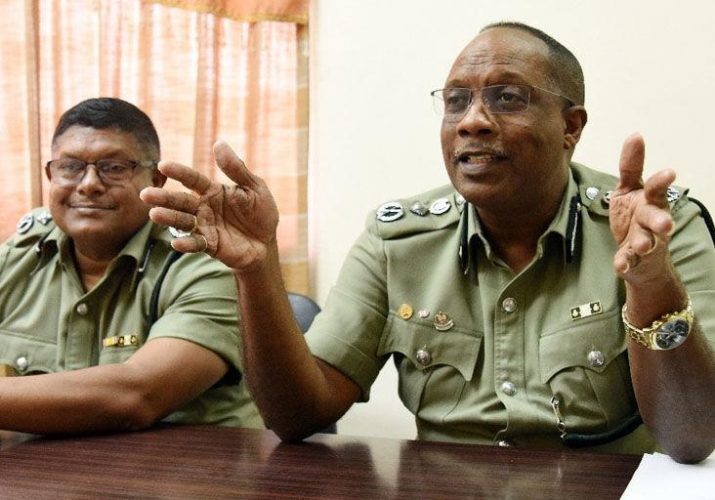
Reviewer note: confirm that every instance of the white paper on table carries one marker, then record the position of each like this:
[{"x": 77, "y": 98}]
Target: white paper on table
[{"x": 660, "y": 477}]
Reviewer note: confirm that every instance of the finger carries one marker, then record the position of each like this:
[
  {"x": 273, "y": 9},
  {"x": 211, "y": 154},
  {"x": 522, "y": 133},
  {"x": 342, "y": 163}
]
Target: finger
[
  {"x": 654, "y": 219},
  {"x": 175, "y": 200},
  {"x": 631, "y": 163},
  {"x": 642, "y": 242},
  {"x": 194, "y": 243},
  {"x": 231, "y": 165},
  {"x": 656, "y": 187},
  {"x": 179, "y": 220},
  {"x": 187, "y": 176},
  {"x": 625, "y": 260}
]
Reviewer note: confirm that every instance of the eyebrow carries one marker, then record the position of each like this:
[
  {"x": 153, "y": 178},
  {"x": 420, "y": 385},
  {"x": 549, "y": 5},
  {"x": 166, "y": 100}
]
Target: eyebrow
[{"x": 495, "y": 78}]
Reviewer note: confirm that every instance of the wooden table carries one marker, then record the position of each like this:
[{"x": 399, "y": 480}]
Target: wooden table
[{"x": 213, "y": 462}]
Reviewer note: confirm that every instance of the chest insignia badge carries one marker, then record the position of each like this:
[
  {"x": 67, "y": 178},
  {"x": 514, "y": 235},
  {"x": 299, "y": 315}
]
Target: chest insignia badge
[
  {"x": 121, "y": 341},
  {"x": 586, "y": 310},
  {"x": 405, "y": 311},
  {"x": 442, "y": 322}
]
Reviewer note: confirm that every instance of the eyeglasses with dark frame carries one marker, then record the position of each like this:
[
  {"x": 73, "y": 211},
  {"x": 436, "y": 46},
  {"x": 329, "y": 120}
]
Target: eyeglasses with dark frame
[
  {"x": 70, "y": 171},
  {"x": 452, "y": 103}
]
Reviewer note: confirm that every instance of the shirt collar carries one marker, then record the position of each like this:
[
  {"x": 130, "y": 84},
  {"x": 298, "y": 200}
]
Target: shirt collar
[
  {"x": 566, "y": 225},
  {"x": 136, "y": 251}
]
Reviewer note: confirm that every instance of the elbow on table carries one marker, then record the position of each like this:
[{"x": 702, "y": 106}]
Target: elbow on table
[
  {"x": 692, "y": 452},
  {"x": 290, "y": 433},
  {"x": 136, "y": 411}
]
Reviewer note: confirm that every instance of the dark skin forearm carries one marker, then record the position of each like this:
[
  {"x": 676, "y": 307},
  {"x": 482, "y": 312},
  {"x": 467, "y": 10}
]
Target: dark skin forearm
[
  {"x": 297, "y": 393},
  {"x": 674, "y": 388},
  {"x": 161, "y": 376}
]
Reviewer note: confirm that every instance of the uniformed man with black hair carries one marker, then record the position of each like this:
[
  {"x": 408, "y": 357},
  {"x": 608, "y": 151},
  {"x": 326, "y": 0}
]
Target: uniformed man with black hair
[
  {"x": 534, "y": 302},
  {"x": 104, "y": 326}
]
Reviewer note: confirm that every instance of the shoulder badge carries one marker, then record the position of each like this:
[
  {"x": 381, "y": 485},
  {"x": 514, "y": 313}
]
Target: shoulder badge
[
  {"x": 44, "y": 217},
  {"x": 25, "y": 224},
  {"x": 440, "y": 206},
  {"x": 390, "y": 212}
]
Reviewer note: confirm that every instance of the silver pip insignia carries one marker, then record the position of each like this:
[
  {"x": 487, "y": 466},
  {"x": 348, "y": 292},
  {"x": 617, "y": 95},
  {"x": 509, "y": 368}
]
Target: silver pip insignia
[{"x": 418, "y": 208}]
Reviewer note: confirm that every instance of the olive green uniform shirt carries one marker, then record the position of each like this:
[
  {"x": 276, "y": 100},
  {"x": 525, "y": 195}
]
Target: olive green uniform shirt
[
  {"x": 481, "y": 351},
  {"x": 48, "y": 323}
]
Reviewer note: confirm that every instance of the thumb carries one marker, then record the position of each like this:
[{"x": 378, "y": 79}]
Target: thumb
[{"x": 631, "y": 163}]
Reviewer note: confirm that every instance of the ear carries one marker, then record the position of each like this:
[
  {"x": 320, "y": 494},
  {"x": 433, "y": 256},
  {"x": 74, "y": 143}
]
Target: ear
[
  {"x": 48, "y": 173},
  {"x": 575, "y": 118},
  {"x": 157, "y": 178}
]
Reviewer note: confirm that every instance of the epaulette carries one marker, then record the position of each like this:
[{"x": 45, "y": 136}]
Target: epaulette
[
  {"x": 32, "y": 226},
  {"x": 428, "y": 211},
  {"x": 596, "y": 188}
]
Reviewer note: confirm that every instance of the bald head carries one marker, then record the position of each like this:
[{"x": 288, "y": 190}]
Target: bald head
[{"x": 565, "y": 71}]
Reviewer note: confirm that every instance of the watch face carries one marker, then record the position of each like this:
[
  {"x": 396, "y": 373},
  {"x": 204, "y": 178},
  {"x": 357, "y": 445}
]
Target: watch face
[{"x": 672, "y": 333}]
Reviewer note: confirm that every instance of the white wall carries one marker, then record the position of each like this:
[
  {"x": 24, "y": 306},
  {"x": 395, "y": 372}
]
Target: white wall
[{"x": 373, "y": 135}]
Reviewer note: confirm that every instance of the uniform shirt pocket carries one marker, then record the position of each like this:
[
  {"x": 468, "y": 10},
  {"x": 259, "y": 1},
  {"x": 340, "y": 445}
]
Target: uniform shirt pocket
[
  {"x": 585, "y": 363},
  {"x": 420, "y": 351},
  {"x": 27, "y": 355}
]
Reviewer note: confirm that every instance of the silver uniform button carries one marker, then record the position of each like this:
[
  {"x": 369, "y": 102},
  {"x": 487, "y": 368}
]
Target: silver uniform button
[
  {"x": 21, "y": 363},
  {"x": 390, "y": 211},
  {"x": 82, "y": 309},
  {"x": 423, "y": 356},
  {"x": 509, "y": 305},
  {"x": 508, "y": 388},
  {"x": 595, "y": 358},
  {"x": 440, "y": 206},
  {"x": 591, "y": 192}
]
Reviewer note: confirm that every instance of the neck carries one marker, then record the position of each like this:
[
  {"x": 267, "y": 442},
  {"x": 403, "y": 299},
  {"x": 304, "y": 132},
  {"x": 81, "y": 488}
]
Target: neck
[
  {"x": 514, "y": 235},
  {"x": 92, "y": 264}
]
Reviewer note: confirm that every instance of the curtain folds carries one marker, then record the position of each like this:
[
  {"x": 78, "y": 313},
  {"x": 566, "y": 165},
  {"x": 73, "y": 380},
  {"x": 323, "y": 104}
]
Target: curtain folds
[
  {"x": 202, "y": 70},
  {"x": 292, "y": 11}
]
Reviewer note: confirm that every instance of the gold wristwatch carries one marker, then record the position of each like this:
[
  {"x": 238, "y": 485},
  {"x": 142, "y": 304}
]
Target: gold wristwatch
[{"x": 665, "y": 333}]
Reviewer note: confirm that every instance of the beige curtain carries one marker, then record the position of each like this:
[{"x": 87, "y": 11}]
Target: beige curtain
[{"x": 202, "y": 70}]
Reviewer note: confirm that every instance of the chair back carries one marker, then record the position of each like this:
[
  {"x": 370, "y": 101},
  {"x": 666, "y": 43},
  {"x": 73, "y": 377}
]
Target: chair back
[{"x": 304, "y": 309}]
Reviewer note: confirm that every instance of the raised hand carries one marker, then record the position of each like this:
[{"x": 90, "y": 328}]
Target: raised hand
[
  {"x": 236, "y": 224},
  {"x": 640, "y": 217}
]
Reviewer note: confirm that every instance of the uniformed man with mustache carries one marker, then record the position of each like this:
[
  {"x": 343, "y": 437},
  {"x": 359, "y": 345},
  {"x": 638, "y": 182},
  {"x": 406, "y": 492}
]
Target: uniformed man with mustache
[
  {"x": 534, "y": 302},
  {"x": 106, "y": 328}
]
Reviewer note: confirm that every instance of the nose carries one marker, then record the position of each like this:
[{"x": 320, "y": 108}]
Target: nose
[
  {"x": 476, "y": 120},
  {"x": 91, "y": 182}
]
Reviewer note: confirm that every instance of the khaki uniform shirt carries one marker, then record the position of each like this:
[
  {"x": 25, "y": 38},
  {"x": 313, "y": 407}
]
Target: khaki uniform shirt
[
  {"x": 481, "y": 351},
  {"x": 48, "y": 323}
]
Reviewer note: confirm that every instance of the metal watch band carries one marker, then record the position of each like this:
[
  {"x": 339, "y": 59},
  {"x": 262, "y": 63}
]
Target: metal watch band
[{"x": 645, "y": 336}]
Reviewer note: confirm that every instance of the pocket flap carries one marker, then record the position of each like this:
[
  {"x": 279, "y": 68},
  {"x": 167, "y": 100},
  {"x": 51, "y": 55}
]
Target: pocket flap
[
  {"x": 27, "y": 354},
  {"x": 592, "y": 344},
  {"x": 456, "y": 348}
]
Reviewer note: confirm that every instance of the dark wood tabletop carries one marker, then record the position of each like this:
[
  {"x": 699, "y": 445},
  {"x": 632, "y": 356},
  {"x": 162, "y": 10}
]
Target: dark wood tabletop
[{"x": 217, "y": 462}]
